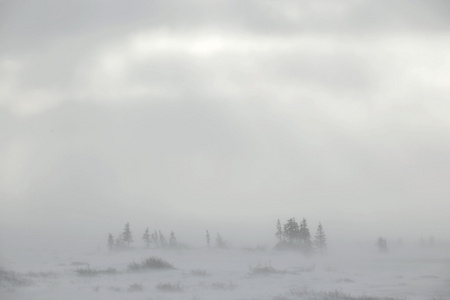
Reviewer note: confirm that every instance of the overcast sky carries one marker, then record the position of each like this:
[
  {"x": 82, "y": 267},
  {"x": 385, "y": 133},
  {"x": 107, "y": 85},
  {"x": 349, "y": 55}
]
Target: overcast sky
[{"x": 198, "y": 115}]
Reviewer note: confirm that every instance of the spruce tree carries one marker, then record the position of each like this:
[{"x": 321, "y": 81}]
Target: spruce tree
[
  {"x": 110, "y": 242},
  {"x": 146, "y": 237},
  {"x": 208, "y": 239},
  {"x": 305, "y": 236},
  {"x": 382, "y": 245},
  {"x": 162, "y": 240},
  {"x": 155, "y": 239},
  {"x": 127, "y": 237},
  {"x": 320, "y": 240},
  {"x": 119, "y": 244},
  {"x": 291, "y": 231},
  {"x": 279, "y": 232},
  {"x": 220, "y": 243},
  {"x": 173, "y": 240}
]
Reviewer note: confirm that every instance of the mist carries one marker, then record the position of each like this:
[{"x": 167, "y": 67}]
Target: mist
[{"x": 224, "y": 116}]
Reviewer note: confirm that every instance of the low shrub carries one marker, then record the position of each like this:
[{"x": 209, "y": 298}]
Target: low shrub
[
  {"x": 228, "y": 286},
  {"x": 199, "y": 273},
  {"x": 115, "y": 288},
  {"x": 344, "y": 280},
  {"x": 135, "y": 287},
  {"x": 307, "y": 269},
  {"x": 48, "y": 274},
  {"x": 258, "y": 248},
  {"x": 331, "y": 269},
  {"x": 13, "y": 279},
  {"x": 331, "y": 295},
  {"x": 88, "y": 272},
  {"x": 151, "y": 263},
  {"x": 263, "y": 269},
  {"x": 79, "y": 263},
  {"x": 169, "y": 287},
  {"x": 109, "y": 271}
]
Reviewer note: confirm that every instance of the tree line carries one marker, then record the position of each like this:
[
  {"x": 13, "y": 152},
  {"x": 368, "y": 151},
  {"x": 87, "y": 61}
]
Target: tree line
[
  {"x": 296, "y": 236},
  {"x": 155, "y": 239},
  {"x": 291, "y": 235}
]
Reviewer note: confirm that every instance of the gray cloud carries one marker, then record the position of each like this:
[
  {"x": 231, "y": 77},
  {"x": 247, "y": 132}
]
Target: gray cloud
[
  {"x": 56, "y": 44},
  {"x": 48, "y": 20},
  {"x": 210, "y": 112}
]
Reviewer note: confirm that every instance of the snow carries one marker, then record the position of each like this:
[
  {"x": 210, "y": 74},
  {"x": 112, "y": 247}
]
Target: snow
[{"x": 232, "y": 274}]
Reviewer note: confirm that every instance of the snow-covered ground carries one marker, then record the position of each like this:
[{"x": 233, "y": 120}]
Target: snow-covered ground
[{"x": 228, "y": 274}]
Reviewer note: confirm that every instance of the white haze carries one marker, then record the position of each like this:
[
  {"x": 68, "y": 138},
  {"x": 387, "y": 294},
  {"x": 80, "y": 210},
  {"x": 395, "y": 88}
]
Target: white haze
[{"x": 223, "y": 116}]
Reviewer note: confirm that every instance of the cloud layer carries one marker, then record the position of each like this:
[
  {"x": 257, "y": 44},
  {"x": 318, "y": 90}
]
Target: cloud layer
[{"x": 224, "y": 112}]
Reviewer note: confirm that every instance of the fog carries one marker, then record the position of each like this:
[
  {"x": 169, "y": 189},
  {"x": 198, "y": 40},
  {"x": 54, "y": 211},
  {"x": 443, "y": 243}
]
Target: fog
[{"x": 223, "y": 116}]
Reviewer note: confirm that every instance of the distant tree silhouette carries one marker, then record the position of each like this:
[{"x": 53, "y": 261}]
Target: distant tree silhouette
[
  {"x": 146, "y": 237},
  {"x": 155, "y": 239},
  {"x": 119, "y": 243},
  {"x": 382, "y": 245},
  {"x": 162, "y": 240},
  {"x": 208, "y": 239},
  {"x": 431, "y": 241},
  {"x": 220, "y": 243},
  {"x": 291, "y": 231},
  {"x": 298, "y": 237},
  {"x": 110, "y": 242},
  {"x": 279, "y": 232},
  {"x": 173, "y": 240},
  {"x": 320, "y": 240},
  {"x": 127, "y": 237},
  {"x": 305, "y": 237}
]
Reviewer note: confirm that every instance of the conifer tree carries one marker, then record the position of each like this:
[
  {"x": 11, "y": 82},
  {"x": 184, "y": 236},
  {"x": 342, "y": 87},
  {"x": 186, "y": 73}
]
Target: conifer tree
[
  {"x": 146, "y": 237},
  {"x": 382, "y": 245},
  {"x": 208, "y": 239},
  {"x": 172, "y": 240},
  {"x": 155, "y": 239},
  {"x": 119, "y": 244},
  {"x": 291, "y": 231},
  {"x": 220, "y": 243},
  {"x": 305, "y": 236},
  {"x": 279, "y": 232},
  {"x": 320, "y": 240},
  {"x": 127, "y": 237},
  {"x": 162, "y": 240},
  {"x": 110, "y": 242}
]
